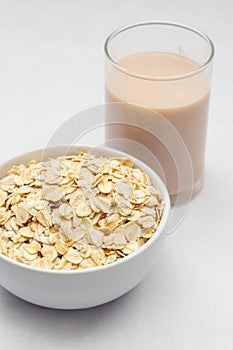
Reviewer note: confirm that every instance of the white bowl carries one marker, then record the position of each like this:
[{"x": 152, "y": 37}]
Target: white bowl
[{"x": 89, "y": 287}]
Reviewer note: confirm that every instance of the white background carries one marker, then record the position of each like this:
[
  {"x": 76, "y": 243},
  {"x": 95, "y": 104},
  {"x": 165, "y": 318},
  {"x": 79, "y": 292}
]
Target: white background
[{"x": 51, "y": 66}]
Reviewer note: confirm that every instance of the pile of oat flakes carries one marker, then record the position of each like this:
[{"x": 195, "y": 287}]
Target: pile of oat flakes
[{"x": 76, "y": 212}]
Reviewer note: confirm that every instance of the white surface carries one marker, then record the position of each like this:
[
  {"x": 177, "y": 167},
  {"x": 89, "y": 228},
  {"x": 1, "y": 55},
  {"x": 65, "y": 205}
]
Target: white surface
[{"x": 51, "y": 66}]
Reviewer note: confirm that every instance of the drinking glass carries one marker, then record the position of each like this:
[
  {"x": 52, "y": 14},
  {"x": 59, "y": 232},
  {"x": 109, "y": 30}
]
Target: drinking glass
[{"x": 161, "y": 109}]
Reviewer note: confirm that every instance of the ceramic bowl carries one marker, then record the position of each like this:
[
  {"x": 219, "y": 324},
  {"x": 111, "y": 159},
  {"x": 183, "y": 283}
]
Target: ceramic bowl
[{"x": 90, "y": 287}]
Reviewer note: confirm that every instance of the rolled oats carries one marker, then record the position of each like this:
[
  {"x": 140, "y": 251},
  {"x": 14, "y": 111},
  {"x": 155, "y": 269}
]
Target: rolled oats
[
  {"x": 73, "y": 256},
  {"x": 3, "y": 197},
  {"x": 76, "y": 212}
]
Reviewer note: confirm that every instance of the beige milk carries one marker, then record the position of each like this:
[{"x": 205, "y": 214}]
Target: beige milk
[{"x": 183, "y": 102}]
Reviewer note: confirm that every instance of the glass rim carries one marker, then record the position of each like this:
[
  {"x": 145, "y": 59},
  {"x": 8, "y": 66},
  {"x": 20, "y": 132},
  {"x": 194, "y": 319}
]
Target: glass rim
[{"x": 158, "y": 78}]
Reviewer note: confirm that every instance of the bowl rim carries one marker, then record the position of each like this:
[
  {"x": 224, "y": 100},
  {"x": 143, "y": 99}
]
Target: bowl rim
[{"x": 161, "y": 186}]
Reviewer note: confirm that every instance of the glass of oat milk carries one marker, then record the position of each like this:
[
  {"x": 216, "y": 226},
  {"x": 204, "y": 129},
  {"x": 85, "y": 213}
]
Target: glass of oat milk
[{"x": 161, "y": 71}]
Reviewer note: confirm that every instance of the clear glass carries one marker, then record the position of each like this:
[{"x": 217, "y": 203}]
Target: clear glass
[{"x": 162, "y": 69}]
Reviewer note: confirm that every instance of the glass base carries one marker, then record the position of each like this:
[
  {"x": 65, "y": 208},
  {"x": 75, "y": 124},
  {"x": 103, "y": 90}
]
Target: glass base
[{"x": 187, "y": 195}]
